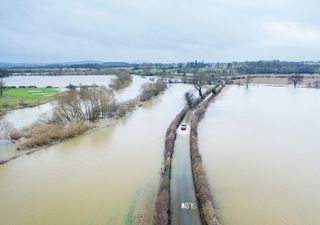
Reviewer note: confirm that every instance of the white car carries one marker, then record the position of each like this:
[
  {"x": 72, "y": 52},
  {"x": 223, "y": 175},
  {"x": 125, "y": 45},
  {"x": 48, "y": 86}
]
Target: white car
[{"x": 183, "y": 127}]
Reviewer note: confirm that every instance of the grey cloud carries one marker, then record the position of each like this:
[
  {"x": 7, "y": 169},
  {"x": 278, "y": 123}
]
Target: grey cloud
[{"x": 162, "y": 31}]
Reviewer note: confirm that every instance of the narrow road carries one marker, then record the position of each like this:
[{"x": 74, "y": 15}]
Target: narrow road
[{"x": 184, "y": 207}]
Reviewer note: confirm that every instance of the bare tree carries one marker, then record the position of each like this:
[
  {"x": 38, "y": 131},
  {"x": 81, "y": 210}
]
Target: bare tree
[
  {"x": 2, "y": 87},
  {"x": 86, "y": 104},
  {"x": 189, "y": 99},
  {"x": 152, "y": 89},
  {"x": 248, "y": 80},
  {"x": 122, "y": 80},
  {"x": 199, "y": 80},
  {"x": 3, "y": 73},
  {"x": 295, "y": 80},
  {"x": 146, "y": 91}
]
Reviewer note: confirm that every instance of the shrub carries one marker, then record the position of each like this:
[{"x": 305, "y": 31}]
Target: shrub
[
  {"x": 122, "y": 110},
  {"x": 44, "y": 134},
  {"x": 16, "y": 134},
  {"x": 152, "y": 89},
  {"x": 122, "y": 80}
]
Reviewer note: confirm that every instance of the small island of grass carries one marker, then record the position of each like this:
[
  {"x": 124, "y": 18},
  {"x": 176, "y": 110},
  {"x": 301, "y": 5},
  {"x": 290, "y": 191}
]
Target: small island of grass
[{"x": 15, "y": 98}]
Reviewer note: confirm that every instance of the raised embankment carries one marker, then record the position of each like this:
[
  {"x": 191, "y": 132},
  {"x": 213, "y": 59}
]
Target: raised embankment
[
  {"x": 204, "y": 197},
  {"x": 162, "y": 206},
  {"x": 183, "y": 201},
  {"x": 162, "y": 209}
]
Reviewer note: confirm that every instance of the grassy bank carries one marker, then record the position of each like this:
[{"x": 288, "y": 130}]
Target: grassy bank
[
  {"x": 15, "y": 98},
  {"x": 203, "y": 193}
]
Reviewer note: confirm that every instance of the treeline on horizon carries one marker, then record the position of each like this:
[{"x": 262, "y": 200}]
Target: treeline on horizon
[{"x": 147, "y": 69}]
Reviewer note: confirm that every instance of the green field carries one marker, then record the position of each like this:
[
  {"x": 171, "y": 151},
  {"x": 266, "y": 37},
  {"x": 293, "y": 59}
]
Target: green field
[{"x": 15, "y": 98}]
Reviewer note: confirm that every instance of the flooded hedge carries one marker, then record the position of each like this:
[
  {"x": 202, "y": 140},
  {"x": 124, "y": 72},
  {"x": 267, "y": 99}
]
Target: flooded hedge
[
  {"x": 162, "y": 207},
  {"x": 203, "y": 193},
  {"x": 45, "y": 134}
]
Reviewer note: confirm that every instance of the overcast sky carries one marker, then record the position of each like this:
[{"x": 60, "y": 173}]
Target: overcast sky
[{"x": 159, "y": 30}]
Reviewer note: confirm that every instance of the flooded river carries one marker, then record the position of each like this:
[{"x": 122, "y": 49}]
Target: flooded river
[
  {"x": 261, "y": 150},
  {"x": 109, "y": 176}
]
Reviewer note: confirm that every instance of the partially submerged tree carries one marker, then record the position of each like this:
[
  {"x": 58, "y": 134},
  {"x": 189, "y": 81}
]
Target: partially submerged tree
[
  {"x": 248, "y": 80},
  {"x": 2, "y": 87},
  {"x": 295, "y": 80},
  {"x": 71, "y": 87},
  {"x": 122, "y": 80},
  {"x": 3, "y": 73},
  {"x": 152, "y": 89},
  {"x": 199, "y": 80},
  {"x": 86, "y": 104},
  {"x": 189, "y": 99}
]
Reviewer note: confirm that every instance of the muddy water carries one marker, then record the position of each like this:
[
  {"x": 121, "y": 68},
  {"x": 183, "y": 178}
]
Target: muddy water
[
  {"x": 25, "y": 117},
  {"x": 261, "y": 150},
  {"x": 133, "y": 90},
  {"x": 106, "y": 177}
]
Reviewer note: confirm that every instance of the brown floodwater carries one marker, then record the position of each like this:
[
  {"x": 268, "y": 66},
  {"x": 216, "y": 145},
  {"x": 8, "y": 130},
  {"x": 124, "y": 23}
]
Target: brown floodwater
[
  {"x": 261, "y": 150},
  {"x": 109, "y": 176}
]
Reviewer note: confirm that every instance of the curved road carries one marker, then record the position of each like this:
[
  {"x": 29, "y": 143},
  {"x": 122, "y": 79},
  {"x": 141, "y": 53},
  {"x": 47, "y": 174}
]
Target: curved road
[{"x": 184, "y": 207}]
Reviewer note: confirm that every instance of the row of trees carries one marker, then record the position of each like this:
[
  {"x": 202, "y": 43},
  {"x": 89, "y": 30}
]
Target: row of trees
[
  {"x": 230, "y": 69},
  {"x": 276, "y": 66},
  {"x": 201, "y": 79},
  {"x": 293, "y": 79}
]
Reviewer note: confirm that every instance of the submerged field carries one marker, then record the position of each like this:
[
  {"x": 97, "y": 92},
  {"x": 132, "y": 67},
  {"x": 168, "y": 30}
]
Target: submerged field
[
  {"x": 14, "y": 98},
  {"x": 105, "y": 177},
  {"x": 260, "y": 148}
]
